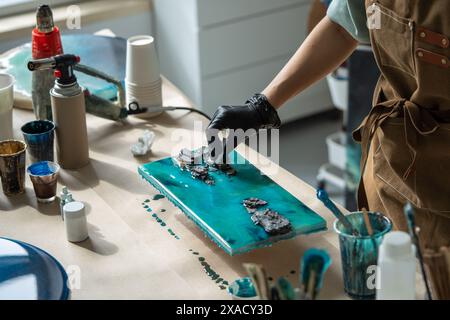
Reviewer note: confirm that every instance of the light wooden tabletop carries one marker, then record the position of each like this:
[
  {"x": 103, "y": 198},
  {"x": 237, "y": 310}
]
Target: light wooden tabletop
[{"x": 129, "y": 255}]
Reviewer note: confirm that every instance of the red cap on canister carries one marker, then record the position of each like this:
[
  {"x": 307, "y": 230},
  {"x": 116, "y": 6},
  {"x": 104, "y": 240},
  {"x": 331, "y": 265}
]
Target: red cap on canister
[
  {"x": 45, "y": 38},
  {"x": 46, "y": 45}
]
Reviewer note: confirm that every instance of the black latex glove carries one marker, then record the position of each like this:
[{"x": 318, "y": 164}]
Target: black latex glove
[{"x": 257, "y": 113}]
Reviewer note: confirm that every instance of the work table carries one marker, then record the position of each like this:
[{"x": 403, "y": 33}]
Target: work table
[{"x": 129, "y": 255}]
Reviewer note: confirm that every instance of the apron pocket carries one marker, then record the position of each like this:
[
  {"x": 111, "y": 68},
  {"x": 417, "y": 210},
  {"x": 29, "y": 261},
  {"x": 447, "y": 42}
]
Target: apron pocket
[
  {"x": 392, "y": 158},
  {"x": 428, "y": 186},
  {"x": 433, "y": 170}
]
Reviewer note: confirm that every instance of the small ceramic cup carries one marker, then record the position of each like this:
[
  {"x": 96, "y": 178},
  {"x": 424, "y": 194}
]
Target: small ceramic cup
[
  {"x": 359, "y": 254},
  {"x": 39, "y": 136},
  {"x": 44, "y": 176}
]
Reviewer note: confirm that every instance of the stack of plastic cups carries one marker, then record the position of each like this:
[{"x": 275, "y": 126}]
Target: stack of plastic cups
[
  {"x": 6, "y": 106},
  {"x": 143, "y": 80}
]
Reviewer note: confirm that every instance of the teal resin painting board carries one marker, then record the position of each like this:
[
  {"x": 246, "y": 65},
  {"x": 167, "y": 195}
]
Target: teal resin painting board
[
  {"x": 107, "y": 54},
  {"x": 217, "y": 209}
]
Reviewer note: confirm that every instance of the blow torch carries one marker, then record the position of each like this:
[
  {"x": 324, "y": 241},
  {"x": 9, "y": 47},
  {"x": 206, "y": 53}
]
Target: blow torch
[{"x": 66, "y": 84}]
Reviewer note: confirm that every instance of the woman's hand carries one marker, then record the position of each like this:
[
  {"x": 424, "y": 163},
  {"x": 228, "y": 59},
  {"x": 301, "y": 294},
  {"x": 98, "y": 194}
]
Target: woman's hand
[{"x": 257, "y": 113}]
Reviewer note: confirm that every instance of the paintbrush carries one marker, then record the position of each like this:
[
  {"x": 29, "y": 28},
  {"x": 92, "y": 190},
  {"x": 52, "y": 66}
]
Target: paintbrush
[
  {"x": 258, "y": 276},
  {"x": 285, "y": 289},
  {"x": 322, "y": 195},
  {"x": 367, "y": 222},
  {"x": 314, "y": 264},
  {"x": 274, "y": 293},
  {"x": 409, "y": 213}
]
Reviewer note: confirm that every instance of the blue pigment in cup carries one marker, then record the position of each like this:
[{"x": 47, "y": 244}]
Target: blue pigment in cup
[
  {"x": 44, "y": 176},
  {"x": 39, "y": 136},
  {"x": 242, "y": 289},
  {"x": 359, "y": 254}
]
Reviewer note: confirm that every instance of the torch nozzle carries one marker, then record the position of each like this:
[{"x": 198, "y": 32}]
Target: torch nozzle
[
  {"x": 44, "y": 19},
  {"x": 41, "y": 64}
]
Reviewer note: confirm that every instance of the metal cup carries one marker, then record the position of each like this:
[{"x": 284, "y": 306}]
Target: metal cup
[
  {"x": 359, "y": 254},
  {"x": 39, "y": 136},
  {"x": 12, "y": 166},
  {"x": 44, "y": 176}
]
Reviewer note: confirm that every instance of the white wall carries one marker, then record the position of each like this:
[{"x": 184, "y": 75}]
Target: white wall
[{"x": 139, "y": 23}]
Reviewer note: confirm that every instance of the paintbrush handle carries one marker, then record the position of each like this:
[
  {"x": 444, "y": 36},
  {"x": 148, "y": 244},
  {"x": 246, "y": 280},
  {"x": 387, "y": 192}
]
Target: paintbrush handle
[
  {"x": 367, "y": 222},
  {"x": 322, "y": 195},
  {"x": 343, "y": 219}
]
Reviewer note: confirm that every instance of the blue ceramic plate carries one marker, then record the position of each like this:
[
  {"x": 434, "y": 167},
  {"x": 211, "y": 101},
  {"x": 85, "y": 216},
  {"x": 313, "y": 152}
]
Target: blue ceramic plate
[
  {"x": 29, "y": 273},
  {"x": 218, "y": 210}
]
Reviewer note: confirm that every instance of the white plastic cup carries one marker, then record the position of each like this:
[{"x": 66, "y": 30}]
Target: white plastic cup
[
  {"x": 143, "y": 83},
  {"x": 142, "y": 61},
  {"x": 6, "y": 106},
  {"x": 134, "y": 89},
  {"x": 147, "y": 98}
]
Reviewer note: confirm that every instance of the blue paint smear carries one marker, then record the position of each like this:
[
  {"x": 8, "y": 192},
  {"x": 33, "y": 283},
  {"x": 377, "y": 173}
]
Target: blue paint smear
[{"x": 218, "y": 210}]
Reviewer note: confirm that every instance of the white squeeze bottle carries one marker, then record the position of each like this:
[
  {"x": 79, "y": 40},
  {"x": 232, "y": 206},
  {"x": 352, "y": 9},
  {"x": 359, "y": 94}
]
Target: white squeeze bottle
[{"x": 396, "y": 278}]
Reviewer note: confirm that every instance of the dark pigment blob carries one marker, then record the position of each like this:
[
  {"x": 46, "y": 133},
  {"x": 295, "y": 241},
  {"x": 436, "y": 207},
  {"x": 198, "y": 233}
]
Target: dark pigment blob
[
  {"x": 173, "y": 234},
  {"x": 159, "y": 220},
  {"x": 158, "y": 197},
  {"x": 214, "y": 276}
]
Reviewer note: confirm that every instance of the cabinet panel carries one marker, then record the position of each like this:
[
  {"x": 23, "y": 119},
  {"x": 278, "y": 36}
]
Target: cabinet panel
[
  {"x": 219, "y": 11},
  {"x": 253, "y": 40}
]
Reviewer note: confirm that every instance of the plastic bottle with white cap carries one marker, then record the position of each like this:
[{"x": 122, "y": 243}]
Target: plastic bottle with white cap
[
  {"x": 75, "y": 221},
  {"x": 396, "y": 277}
]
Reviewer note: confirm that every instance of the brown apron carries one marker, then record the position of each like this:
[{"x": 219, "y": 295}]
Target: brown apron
[{"x": 406, "y": 136}]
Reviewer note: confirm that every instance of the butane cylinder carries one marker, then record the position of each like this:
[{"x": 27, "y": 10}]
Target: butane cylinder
[{"x": 69, "y": 115}]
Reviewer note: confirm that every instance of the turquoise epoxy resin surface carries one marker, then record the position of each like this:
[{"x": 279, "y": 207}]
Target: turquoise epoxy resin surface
[
  {"x": 217, "y": 209},
  {"x": 106, "y": 54}
]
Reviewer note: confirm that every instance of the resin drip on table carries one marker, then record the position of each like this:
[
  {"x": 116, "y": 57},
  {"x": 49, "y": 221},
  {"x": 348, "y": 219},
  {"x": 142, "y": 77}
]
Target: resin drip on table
[{"x": 217, "y": 209}]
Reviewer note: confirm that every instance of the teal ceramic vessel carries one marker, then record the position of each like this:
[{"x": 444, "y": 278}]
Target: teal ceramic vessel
[{"x": 359, "y": 254}]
